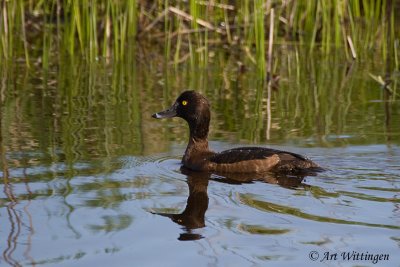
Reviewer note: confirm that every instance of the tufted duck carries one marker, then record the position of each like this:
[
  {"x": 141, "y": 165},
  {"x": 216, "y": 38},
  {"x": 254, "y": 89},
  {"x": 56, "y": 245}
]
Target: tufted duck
[{"x": 195, "y": 109}]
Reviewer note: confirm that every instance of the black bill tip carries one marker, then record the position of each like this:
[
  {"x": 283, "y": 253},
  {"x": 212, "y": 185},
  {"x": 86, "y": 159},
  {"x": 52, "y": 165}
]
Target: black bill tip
[
  {"x": 156, "y": 116},
  {"x": 169, "y": 113}
]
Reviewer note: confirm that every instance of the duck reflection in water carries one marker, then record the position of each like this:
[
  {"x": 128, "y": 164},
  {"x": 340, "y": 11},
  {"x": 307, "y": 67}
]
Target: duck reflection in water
[
  {"x": 193, "y": 216},
  {"x": 196, "y": 205}
]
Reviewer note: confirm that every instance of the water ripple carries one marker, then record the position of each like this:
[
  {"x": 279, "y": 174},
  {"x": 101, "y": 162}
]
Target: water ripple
[{"x": 265, "y": 206}]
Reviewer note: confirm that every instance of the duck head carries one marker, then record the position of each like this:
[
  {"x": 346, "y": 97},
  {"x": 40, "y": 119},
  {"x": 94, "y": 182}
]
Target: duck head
[{"x": 193, "y": 108}]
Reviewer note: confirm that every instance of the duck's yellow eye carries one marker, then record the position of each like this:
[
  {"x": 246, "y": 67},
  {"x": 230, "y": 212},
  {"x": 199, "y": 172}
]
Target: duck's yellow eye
[{"x": 184, "y": 102}]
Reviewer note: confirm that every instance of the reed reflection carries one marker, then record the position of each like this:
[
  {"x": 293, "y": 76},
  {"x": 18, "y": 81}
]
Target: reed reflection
[{"x": 193, "y": 216}]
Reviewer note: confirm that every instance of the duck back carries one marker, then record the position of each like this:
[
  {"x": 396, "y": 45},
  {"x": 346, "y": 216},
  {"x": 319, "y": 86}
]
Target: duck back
[{"x": 259, "y": 159}]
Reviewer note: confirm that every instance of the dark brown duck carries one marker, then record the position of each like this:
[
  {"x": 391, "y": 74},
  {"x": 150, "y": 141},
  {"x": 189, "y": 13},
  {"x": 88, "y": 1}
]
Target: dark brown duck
[{"x": 195, "y": 109}]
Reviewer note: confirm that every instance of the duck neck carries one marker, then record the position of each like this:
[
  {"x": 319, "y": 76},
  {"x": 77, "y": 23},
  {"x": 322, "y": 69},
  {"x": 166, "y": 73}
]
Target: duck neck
[
  {"x": 198, "y": 144},
  {"x": 198, "y": 136}
]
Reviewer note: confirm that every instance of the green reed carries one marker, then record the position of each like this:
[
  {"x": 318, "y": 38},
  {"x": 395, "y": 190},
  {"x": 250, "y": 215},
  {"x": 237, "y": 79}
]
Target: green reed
[
  {"x": 13, "y": 39},
  {"x": 93, "y": 28},
  {"x": 259, "y": 36}
]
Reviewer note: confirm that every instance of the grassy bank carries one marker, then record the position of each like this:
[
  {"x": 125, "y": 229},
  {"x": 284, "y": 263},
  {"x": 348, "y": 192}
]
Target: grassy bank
[{"x": 34, "y": 31}]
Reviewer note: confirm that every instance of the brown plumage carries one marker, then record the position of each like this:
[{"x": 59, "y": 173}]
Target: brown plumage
[{"x": 195, "y": 109}]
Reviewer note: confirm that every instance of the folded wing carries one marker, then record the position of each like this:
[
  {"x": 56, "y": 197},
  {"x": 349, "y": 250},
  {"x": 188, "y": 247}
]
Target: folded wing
[{"x": 260, "y": 159}]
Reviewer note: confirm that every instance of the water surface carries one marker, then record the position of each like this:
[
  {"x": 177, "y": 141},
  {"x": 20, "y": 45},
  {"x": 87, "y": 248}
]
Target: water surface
[{"x": 90, "y": 179}]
